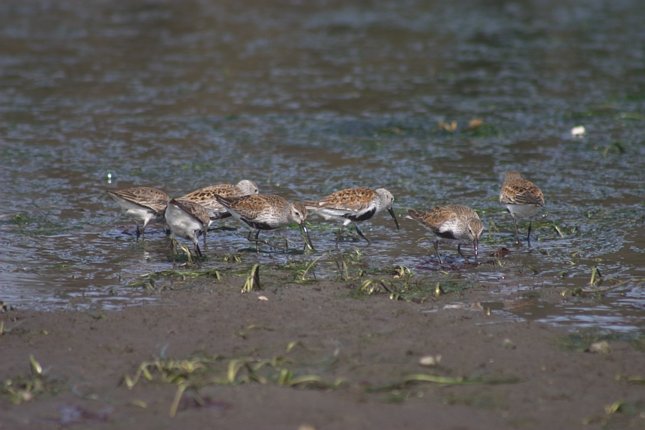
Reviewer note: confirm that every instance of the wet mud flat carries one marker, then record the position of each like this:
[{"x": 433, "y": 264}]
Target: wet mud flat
[
  {"x": 435, "y": 101},
  {"x": 314, "y": 355}
]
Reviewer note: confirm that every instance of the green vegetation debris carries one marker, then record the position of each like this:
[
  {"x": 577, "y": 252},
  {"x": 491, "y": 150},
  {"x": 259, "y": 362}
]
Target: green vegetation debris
[
  {"x": 253, "y": 280},
  {"x": 350, "y": 265},
  {"x": 401, "y": 284},
  {"x": 445, "y": 380},
  {"x": 614, "y": 407},
  {"x": 197, "y": 372},
  {"x": 632, "y": 379},
  {"x": 25, "y": 388},
  {"x": 35, "y": 366},
  {"x": 613, "y": 148},
  {"x": 595, "y": 277},
  {"x": 304, "y": 270},
  {"x": 232, "y": 258},
  {"x": 37, "y": 223},
  {"x": 148, "y": 280}
]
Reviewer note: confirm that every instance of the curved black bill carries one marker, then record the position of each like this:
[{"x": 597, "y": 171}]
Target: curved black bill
[
  {"x": 305, "y": 236},
  {"x": 396, "y": 221}
]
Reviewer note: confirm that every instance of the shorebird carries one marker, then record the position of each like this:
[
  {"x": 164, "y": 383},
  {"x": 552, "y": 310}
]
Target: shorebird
[
  {"x": 522, "y": 199},
  {"x": 267, "y": 212},
  {"x": 188, "y": 220},
  {"x": 451, "y": 222},
  {"x": 206, "y": 196},
  {"x": 353, "y": 205},
  {"x": 142, "y": 203}
]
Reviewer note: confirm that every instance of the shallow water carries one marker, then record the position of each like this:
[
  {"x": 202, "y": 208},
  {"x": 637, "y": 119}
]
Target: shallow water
[{"x": 309, "y": 97}]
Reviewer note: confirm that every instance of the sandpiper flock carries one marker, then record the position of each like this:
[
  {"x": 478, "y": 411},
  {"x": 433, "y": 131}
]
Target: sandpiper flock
[{"x": 191, "y": 215}]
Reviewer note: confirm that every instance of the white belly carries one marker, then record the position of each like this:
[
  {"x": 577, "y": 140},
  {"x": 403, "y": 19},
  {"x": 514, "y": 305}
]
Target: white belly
[
  {"x": 135, "y": 211},
  {"x": 523, "y": 211},
  {"x": 181, "y": 224},
  {"x": 333, "y": 215}
]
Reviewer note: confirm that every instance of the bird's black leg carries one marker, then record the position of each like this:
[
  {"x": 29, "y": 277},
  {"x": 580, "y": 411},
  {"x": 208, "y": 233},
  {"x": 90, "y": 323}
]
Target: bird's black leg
[
  {"x": 528, "y": 236},
  {"x": 360, "y": 233},
  {"x": 198, "y": 251},
  {"x": 461, "y": 253},
  {"x": 436, "y": 250},
  {"x": 257, "y": 246},
  {"x": 173, "y": 249},
  {"x": 339, "y": 232}
]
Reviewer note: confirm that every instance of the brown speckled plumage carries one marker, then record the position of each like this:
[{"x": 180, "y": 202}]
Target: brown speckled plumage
[
  {"x": 354, "y": 205},
  {"x": 350, "y": 199},
  {"x": 193, "y": 209},
  {"x": 522, "y": 199},
  {"x": 517, "y": 190},
  {"x": 266, "y": 212},
  {"x": 453, "y": 222},
  {"x": 142, "y": 203},
  {"x": 206, "y": 196},
  {"x": 151, "y": 198}
]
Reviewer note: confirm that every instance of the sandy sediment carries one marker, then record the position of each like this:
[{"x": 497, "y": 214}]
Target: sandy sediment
[{"x": 500, "y": 373}]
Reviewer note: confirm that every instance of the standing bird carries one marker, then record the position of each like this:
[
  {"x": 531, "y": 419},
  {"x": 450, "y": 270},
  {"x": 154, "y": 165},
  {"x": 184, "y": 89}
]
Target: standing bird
[
  {"x": 206, "y": 196},
  {"x": 353, "y": 205},
  {"x": 188, "y": 220},
  {"x": 522, "y": 199},
  {"x": 451, "y": 222},
  {"x": 267, "y": 212},
  {"x": 142, "y": 203}
]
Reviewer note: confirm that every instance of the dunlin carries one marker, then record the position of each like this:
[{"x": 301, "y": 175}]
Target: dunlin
[
  {"x": 206, "y": 196},
  {"x": 267, "y": 212},
  {"x": 142, "y": 203},
  {"x": 451, "y": 222},
  {"x": 188, "y": 220},
  {"x": 522, "y": 199},
  {"x": 353, "y": 205}
]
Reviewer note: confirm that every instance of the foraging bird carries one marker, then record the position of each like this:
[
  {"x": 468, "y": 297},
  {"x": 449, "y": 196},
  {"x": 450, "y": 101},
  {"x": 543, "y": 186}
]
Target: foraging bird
[
  {"x": 267, "y": 212},
  {"x": 142, "y": 203},
  {"x": 188, "y": 220},
  {"x": 522, "y": 199},
  {"x": 353, "y": 205},
  {"x": 451, "y": 222},
  {"x": 206, "y": 196}
]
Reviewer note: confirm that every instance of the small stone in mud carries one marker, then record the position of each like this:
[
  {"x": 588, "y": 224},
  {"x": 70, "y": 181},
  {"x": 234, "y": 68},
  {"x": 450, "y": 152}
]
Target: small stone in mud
[
  {"x": 430, "y": 360},
  {"x": 508, "y": 344},
  {"x": 601, "y": 347},
  {"x": 74, "y": 414},
  {"x": 578, "y": 131}
]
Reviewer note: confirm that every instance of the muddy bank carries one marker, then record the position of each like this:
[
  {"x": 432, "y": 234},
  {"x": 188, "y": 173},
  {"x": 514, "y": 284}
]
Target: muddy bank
[{"x": 315, "y": 355}]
